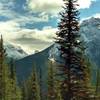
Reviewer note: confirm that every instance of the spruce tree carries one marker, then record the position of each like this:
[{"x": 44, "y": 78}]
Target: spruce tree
[
  {"x": 2, "y": 55},
  {"x": 33, "y": 89},
  {"x": 51, "y": 83},
  {"x": 97, "y": 87},
  {"x": 73, "y": 69},
  {"x": 15, "y": 90},
  {"x": 7, "y": 78},
  {"x": 54, "y": 92},
  {"x": 5, "y": 93},
  {"x": 24, "y": 90},
  {"x": 58, "y": 91}
]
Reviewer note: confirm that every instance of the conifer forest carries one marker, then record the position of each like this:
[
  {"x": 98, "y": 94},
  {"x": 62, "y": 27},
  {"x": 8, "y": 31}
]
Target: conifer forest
[{"x": 69, "y": 66}]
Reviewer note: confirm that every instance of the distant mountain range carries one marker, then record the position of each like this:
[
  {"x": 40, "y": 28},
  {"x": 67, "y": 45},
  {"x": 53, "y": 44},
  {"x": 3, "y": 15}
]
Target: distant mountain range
[{"x": 90, "y": 31}]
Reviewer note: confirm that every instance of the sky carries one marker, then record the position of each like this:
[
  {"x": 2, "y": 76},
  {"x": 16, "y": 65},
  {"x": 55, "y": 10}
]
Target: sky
[{"x": 32, "y": 24}]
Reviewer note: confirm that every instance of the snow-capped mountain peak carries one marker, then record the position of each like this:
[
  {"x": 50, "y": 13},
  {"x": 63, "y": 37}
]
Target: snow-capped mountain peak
[{"x": 15, "y": 52}]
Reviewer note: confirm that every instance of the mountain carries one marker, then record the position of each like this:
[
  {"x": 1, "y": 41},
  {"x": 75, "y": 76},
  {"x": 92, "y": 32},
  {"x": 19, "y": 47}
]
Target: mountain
[
  {"x": 15, "y": 52},
  {"x": 90, "y": 32},
  {"x": 24, "y": 66}
]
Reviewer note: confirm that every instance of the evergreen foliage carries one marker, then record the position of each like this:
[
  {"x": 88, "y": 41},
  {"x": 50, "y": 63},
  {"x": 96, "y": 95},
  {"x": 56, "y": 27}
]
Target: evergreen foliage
[
  {"x": 97, "y": 86},
  {"x": 54, "y": 92},
  {"x": 8, "y": 87},
  {"x": 5, "y": 93},
  {"x": 24, "y": 91},
  {"x": 73, "y": 69},
  {"x": 33, "y": 87},
  {"x": 51, "y": 83},
  {"x": 15, "y": 90},
  {"x": 2, "y": 81}
]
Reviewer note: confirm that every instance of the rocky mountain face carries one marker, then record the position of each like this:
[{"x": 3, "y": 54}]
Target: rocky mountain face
[{"x": 90, "y": 30}]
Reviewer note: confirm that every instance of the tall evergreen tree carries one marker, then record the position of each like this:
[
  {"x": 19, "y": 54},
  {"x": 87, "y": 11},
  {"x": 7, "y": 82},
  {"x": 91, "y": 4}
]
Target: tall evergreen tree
[
  {"x": 33, "y": 86},
  {"x": 51, "y": 83},
  {"x": 2, "y": 55},
  {"x": 73, "y": 68},
  {"x": 7, "y": 79},
  {"x": 24, "y": 91},
  {"x": 5, "y": 93},
  {"x": 58, "y": 91},
  {"x": 97, "y": 89},
  {"x": 54, "y": 92},
  {"x": 15, "y": 90}
]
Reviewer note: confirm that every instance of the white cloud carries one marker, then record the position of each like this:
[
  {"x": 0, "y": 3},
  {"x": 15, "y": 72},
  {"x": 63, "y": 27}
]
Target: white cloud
[
  {"x": 85, "y": 3},
  {"x": 35, "y": 39},
  {"x": 22, "y": 20},
  {"x": 6, "y": 11},
  {"x": 7, "y": 29},
  {"x": 46, "y": 34},
  {"x": 12, "y": 32},
  {"x": 6, "y": 7},
  {"x": 53, "y": 6}
]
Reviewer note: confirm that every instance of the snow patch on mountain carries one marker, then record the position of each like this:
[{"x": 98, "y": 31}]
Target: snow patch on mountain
[{"x": 15, "y": 52}]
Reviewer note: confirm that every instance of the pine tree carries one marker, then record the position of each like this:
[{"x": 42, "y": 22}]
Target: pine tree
[
  {"x": 5, "y": 93},
  {"x": 73, "y": 69},
  {"x": 51, "y": 83},
  {"x": 34, "y": 88},
  {"x": 58, "y": 91},
  {"x": 1, "y": 69},
  {"x": 7, "y": 81},
  {"x": 54, "y": 92},
  {"x": 15, "y": 90},
  {"x": 97, "y": 89},
  {"x": 2, "y": 55},
  {"x": 24, "y": 91}
]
